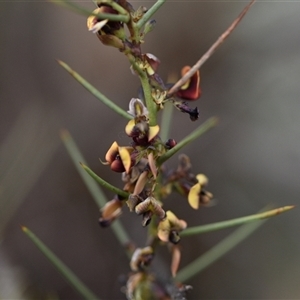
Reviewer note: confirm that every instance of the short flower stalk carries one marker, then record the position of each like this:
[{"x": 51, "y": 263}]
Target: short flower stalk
[{"x": 147, "y": 181}]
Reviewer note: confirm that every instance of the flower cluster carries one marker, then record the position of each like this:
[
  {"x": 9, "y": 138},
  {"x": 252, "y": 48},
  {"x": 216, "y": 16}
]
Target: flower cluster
[{"x": 146, "y": 179}]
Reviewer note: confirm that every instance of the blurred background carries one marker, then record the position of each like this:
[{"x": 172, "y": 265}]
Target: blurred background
[{"x": 252, "y": 157}]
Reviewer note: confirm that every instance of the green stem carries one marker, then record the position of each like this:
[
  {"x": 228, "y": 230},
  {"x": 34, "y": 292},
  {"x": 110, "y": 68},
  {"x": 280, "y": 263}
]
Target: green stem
[
  {"x": 166, "y": 121},
  {"x": 86, "y": 12},
  {"x": 234, "y": 222},
  {"x": 75, "y": 282},
  {"x": 105, "y": 183},
  {"x": 211, "y": 122},
  {"x": 94, "y": 91},
  {"x": 151, "y": 105},
  {"x": 151, "y": 11}
]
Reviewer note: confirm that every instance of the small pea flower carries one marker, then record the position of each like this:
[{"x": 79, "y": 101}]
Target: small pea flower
[
  {"x": 169, "y": 228},
  {"x": 151, "y": 63},
  {"x": 110, "y": 33},
  {"x": 191, "y": 89},
  {"x": 137, "y": 108},
  {"x": 197, "y": 195},
  {"x": 138, "y": 128},
  {"x": 119, "y": 158}
]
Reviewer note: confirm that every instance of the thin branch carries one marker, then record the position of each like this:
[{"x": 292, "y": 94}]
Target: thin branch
[
  {"x": 210, "y": 51},
  {"x": 234, "y": 222}
]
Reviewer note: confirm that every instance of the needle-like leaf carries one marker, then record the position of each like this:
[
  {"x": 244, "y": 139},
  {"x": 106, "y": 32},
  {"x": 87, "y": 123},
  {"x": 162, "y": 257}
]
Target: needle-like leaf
[
  {"x": 216, "y": 252},
  {"x": 86, "y": 12},
  {"x": 75, "y": 282},
  {"x": 234, "y": 222},
  {"x": 94, "y": 91},
  {"x": 92, "y": 186},
  {"x": 151, "y": 11},
  {"x": 105, "y": 183}
]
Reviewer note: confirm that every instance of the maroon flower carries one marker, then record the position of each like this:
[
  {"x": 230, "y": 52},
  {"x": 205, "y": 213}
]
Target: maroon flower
[{"x": 191, "y": 89}]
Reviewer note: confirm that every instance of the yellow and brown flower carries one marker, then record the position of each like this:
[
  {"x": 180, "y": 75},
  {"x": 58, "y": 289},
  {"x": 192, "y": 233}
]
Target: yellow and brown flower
[
  {"x": 169, "y": 228},
  {"x": 197, "y": 194},
  {"x": 120, "y": 159}
]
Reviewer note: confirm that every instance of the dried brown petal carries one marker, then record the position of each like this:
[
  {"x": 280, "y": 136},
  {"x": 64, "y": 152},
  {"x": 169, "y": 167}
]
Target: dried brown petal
[
  {"x": 176, "y": 256},
  {"x": 132, "y": 201},
  {"x": 152, "y": 165},
  {"x": 147, "y": 218},
  {"x": 141, "y": 258},
  {"x": 141, "y": 182},
  {"x": 143, "y": 207},
  {"x": 110, "y": 212},
  {"x": 157, "y": 209}
]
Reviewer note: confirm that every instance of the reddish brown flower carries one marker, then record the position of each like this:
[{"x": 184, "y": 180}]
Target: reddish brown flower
[{"x": 191, "y": 89}]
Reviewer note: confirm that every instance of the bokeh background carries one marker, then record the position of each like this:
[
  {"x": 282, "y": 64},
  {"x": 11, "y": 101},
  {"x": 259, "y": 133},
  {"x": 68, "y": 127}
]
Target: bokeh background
[{"x": 252, "y": 157}]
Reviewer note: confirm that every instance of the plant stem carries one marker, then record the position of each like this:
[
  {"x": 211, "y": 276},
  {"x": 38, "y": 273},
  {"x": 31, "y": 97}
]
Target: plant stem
[
  {"x": 166, "y": 121},
  {"x": 151, "y": 105},
  {"x": 75, "y": 282},
  {"x": 234, "y": 222}
]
